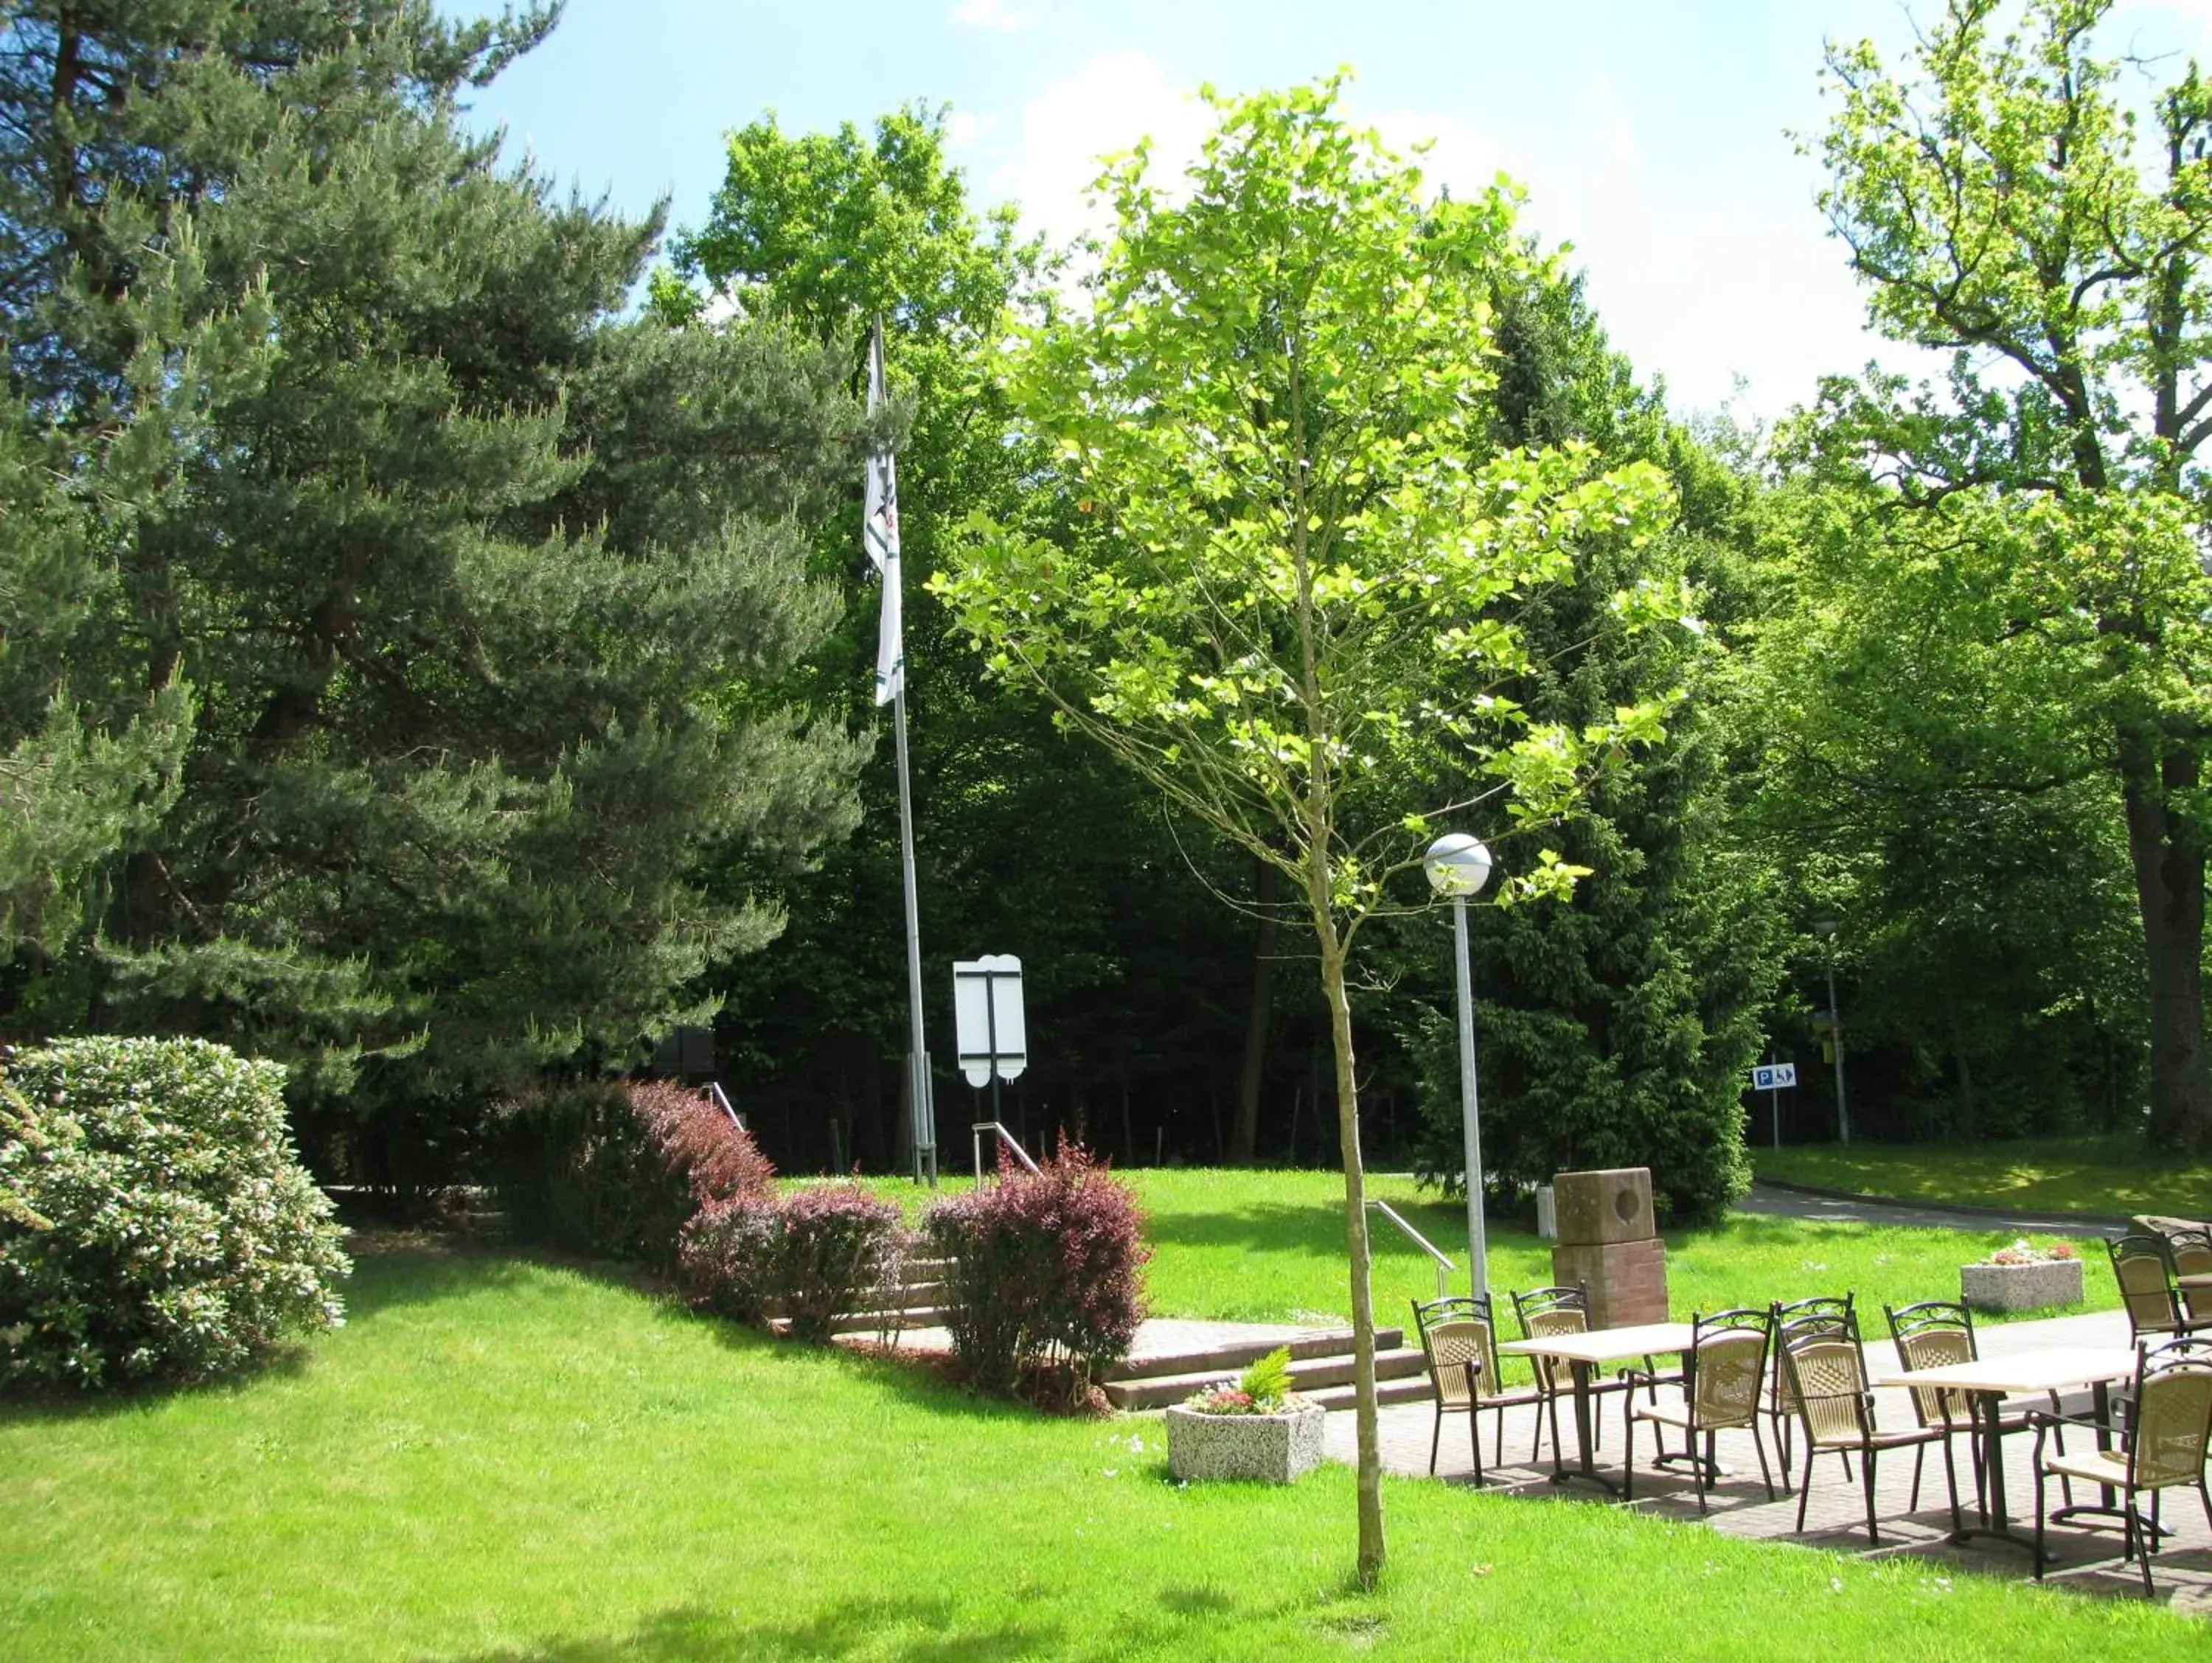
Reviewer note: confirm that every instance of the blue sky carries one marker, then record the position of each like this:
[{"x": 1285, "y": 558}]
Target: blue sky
[{"x": 1652, "y": 137}]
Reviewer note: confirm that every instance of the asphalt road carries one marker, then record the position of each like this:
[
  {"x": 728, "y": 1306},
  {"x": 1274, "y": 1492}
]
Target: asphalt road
[{"x": 1789, "y": 1201}]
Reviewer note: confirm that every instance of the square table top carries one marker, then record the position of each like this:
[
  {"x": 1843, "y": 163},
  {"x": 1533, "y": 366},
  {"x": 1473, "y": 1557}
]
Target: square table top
[
  {"x": 1641, "y": 1339},
  {"x": 2053, "y": 1368}
]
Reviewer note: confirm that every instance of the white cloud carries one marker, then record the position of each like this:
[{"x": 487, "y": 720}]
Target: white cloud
[
  {"x": 989, "y": 15},
  {"x": 963, "y": 130},
  {"x": 1696, "y": 278},
  {"x": 1104, "y": 108}
]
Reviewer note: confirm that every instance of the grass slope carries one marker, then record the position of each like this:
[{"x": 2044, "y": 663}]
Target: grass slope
[
  {"x": 1268, "y": 1247},
  {"x": 2105, "y": 1174},
  {"x": 500, "y": 1461}
]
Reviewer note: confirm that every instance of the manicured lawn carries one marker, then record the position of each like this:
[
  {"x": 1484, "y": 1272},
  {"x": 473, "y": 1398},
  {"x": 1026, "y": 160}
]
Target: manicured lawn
[
  {"x": 500, "y": 1460},
  {"x": 1269, "y": 1247},
  {"x": 2106, "y": 1174}
]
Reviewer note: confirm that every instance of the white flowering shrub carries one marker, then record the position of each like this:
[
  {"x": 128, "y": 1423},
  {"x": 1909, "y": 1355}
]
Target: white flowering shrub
[{"x": 155, "y": 1222}]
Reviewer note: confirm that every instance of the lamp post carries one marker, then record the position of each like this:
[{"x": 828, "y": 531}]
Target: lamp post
[
  {"x": 1826, "y": 929},
  {"x": 1458, "y": 866}
]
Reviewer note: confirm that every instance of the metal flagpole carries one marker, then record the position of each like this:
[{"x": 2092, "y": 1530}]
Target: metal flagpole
[
  {"x": 880, "y": 535},
  {"x": 925, "y": 1110}
]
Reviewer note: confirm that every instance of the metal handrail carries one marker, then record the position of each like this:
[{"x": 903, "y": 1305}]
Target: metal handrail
[
  {"x": 714, "y": 1090},
  {"x": 1444, "y": 1266},
  {"x": 975, "y": 1138}
]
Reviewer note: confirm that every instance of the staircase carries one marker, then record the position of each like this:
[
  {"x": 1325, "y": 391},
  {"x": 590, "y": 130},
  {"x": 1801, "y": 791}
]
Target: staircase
[
  {"x": 1321, "y": 1370},
  {"x": 916, "y": 1300}
]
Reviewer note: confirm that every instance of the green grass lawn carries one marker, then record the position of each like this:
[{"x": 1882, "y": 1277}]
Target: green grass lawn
[
  {"x": 1268, "y": 1247},
  {"x": 497, "y": 1460},
  {"x": 2106, "y": 1174}
]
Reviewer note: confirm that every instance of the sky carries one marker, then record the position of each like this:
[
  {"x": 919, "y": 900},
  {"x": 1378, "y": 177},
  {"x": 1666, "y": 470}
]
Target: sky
[{"x": 1656, "y": 139}]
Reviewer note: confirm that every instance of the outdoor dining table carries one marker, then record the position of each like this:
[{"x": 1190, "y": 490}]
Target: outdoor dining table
[
  {"x": 1986, "y": 1382},
  {"x": 1586, "y": 1351}
]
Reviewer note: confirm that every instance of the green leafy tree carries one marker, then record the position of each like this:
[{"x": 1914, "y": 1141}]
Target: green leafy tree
[
  {"x": 1997, "y": 204},
  {"x": 485, "y": 596},
  {"x": 1615, "y": 1028},
  {"x": 1294, "y": 586},
  {"x": 1026, "y": 842},
  {"x": 1925, "y": 780}
]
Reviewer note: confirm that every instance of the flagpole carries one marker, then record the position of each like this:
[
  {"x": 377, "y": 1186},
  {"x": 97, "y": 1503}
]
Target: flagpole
[
  {"x": 880, "y": 537},
  {"x": 924, "y": 1110}
]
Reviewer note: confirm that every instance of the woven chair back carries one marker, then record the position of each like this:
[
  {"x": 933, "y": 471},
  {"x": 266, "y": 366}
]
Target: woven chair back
[
  {"x": 2192, "y": 1251},
  {"x": 1452, "y": 1345},
  {"x": 1730, "y": 1365},
  {"x": 2172, "y": 1423},
  {"x": 1802, "y": 1320},
  {"x": 1937, "y": 1348},
  {"x": 1828, "y": 1388},
  {"x": 2141, "y": 1265}
]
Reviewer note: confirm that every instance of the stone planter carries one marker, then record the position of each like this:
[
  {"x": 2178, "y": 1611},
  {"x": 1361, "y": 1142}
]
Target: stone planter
[
  {"x": 2021, "y": 1287},
  {"x": 1270, "y": 1448}
]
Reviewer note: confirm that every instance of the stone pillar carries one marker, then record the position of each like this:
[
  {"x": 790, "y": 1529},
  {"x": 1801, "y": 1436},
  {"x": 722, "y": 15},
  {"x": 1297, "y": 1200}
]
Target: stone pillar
[{"x": 1607, "y": 1242}]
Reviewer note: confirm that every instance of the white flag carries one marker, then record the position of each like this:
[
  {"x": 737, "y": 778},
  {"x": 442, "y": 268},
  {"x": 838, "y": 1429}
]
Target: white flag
[{"x": 880, "y": 533}]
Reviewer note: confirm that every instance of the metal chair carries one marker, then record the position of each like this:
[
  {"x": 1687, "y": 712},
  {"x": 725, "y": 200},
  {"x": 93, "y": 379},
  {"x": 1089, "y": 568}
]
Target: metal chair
[
  {"x": 1828, "y": 1387},
  {"x": 2143, "y": 1266},
  {"x": 1460, "y": 1340},
  {"x": 1801, "y": 1319},
  {"x": 1933, "y": 1334},
  {"x": 2191, "y": 1251},
  {"x": 1722, "y": 1375},
  {"x": 2163, "y": 1442},
  {"x": 1542, "y": 1312}
]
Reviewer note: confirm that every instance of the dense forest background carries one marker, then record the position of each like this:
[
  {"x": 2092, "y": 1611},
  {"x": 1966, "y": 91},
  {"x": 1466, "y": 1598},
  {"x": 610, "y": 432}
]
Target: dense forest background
[{"x": 435, "y": 649}]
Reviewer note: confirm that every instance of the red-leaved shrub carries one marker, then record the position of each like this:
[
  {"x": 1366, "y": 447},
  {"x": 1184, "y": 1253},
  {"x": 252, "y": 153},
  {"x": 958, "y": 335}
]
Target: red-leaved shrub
[
  {"x": 725, "y": 1259},
  {"x": 812, "y": 1254},
  {"x": 839, "y": 1245},
  {"x": 698, "y": 1141},
  {"x": 619, "y": 1169},
  {"x": 1043, "y": 1285}
]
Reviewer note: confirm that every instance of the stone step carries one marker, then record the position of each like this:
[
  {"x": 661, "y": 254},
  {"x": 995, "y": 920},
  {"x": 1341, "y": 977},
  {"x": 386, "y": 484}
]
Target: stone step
[
  {"x": 1409, "y": 1388},
  {"x": 1311, "y": 1377},
  {"x": 869, "y": 1322},
  {"x": 1230, "y": 1356}
]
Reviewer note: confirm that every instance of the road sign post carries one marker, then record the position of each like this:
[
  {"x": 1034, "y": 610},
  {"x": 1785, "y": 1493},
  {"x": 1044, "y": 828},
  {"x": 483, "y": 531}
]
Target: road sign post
[{"x": 1771, "y": 1078}]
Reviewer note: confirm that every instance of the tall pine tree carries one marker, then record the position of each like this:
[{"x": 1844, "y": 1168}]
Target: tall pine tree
[{"x": 484, "y": 596}]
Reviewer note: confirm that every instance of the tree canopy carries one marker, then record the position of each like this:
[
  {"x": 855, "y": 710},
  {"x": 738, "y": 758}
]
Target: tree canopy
[
  {"x": 2047, "y": 502},
  {"x": 1298, "y": 559},
  {"x": 473, "y": 598}
]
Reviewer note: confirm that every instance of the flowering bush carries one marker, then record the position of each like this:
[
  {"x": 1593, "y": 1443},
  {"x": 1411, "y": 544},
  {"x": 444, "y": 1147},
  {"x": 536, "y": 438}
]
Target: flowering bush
[
  {"x": 1264, "y": 1388},
  {"x": 1044, "y": 1287},
  {"x": 2020, "y": 1253},
  {"x": 155, "y": 1222}
]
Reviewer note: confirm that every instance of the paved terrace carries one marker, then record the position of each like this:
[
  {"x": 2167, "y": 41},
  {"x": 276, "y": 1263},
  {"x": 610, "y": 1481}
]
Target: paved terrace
[{"x": 2085, "y": 1559}]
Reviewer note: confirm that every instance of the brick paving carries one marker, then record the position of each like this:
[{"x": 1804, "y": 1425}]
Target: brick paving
[{"x": 2085, "y": 1558}]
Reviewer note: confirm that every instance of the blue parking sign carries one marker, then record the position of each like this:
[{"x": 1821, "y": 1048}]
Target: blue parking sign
[{"x": 1772, "y": 1076}]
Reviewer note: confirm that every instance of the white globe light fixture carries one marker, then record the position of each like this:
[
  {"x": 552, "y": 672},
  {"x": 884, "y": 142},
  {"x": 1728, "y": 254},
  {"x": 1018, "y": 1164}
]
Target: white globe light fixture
[{"x": 1458, "y": 866}]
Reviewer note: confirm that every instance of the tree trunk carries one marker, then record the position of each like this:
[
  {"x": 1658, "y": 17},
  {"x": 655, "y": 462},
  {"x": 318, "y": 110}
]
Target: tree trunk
[
  {"x": 2169, "y": 870},
  {"x": 1244, "y": 1141},
  {"x": 1355, "y": 1232},
  {"x": 1965, "y": 1127}
]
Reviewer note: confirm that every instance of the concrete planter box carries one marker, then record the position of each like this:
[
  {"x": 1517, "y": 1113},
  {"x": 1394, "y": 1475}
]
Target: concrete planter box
[
  {"x": 1268, "y": 1449},
  {"x": 2021, "y": 1287}
]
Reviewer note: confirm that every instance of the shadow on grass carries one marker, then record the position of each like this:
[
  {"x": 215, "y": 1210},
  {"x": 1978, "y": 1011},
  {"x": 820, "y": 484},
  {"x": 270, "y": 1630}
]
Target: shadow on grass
[
  {"x": 692, "y": 1634},
  {"x": 386, "y": 1277}
]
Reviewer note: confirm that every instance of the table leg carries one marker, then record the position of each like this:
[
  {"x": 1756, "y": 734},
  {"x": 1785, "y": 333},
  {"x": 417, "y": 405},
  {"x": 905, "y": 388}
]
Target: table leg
[{"x": 1587, "y": 1467}]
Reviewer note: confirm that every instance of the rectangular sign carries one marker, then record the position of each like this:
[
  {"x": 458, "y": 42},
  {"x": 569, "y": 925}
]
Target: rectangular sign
[{"x": 1772, "y": 1076}]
